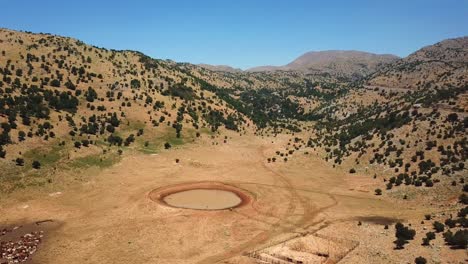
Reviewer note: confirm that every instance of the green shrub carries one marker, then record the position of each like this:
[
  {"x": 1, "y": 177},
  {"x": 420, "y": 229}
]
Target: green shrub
[
  {"x": 420, "y": 260},
  {"x": 438, "y": 226},
  {"x": 36, "y": 165}
]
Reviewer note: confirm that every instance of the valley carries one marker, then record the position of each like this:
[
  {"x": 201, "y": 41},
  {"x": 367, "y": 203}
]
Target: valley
[{"x": 346, "y": 163}]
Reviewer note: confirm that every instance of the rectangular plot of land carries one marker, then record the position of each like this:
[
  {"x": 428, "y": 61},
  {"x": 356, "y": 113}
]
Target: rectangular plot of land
[{"x": 305, "y": 250}]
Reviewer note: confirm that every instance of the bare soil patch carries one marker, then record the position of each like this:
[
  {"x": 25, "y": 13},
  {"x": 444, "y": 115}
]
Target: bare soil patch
[
  {"x": 304, "y": 204},
  {"x": 379, "y": 220}
]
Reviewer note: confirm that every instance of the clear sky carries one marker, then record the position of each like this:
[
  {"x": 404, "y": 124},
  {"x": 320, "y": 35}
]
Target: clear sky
[{"x": 243, "y": 33}]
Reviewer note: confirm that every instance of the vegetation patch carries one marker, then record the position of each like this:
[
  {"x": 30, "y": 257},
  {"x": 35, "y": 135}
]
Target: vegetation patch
[{"x": 100, "y": 161}]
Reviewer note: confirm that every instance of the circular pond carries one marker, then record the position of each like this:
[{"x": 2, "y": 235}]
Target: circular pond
[
  {"x": 203, "y": 199},
  {"x": 201, "y": 196}
]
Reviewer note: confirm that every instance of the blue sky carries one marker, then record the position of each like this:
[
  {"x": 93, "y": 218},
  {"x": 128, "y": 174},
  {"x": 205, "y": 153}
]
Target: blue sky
[{"x": 243, "y": 33}]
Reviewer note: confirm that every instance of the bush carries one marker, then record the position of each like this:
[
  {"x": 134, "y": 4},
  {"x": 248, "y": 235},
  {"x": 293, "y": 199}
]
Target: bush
[
  {"x": 450, "y": 223},
  {"x": 85, "y": 142},
  {"x": 453, "y": 117},
  {"x": 91, "y": 95},
  {"x": 425, "y": 241},
  {"x": 403, "y": 234},
  {"x": 463, "y": 212},
  {"x": 389, "y": 186},
  {"x": 36, "y": 165},
  {"x": 420, "y": 260},
  {"x": 19, "y": 161},
  {"x": 135, "y": 84},
  {"x": 130, "y": 139},
  {"x": 463, "y": 221},
  {"x": 70, "y": 85},
  {"x": 439, "y": 227},
  {"x": 110, "y": 128},
  {"x": 378, "y": 192},
  {"x": 400, "y": 243},
  {"x": 167, "y": 145},
  {"x": 458, "y": 240},
  {"x": 2, "y": 153},
  {"x": 21, "y": 135},
  {"x": 429, "y": 183},
  {"x": 430, "y": 235},
  {"x": 55, "y": 83},
  {"x": 463, "y": 199},
  {"x": 115, "y": 140},
  {"x": 352, "y": 170}
]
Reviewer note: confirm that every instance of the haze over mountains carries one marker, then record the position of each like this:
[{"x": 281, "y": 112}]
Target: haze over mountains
[
  {"x": 220, "y": 68},
  {"x": 348, "y": 64},
  {"x": 338, "y": 63}
]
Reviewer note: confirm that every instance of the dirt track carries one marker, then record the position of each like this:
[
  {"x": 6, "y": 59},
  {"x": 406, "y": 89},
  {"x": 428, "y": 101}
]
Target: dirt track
[{"x": 108, "y": 218}]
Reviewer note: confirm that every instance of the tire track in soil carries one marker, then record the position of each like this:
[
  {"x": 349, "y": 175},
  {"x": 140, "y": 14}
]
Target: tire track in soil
[
  {"x": 309, "y": 213},
  {"x": 330, "y": 195}
]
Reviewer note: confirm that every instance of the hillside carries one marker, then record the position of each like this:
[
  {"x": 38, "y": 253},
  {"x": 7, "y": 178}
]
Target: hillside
[
  {"x": 59, "y": 91},
  {"x": 435, "y": 66},
  {"x": 350, "y": 65},
  {"x": 62, "y": 96}
]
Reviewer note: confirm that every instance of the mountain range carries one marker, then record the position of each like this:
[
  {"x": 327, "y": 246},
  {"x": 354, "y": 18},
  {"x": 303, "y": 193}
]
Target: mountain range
[
  {"x": 338, "y": 63},
  {"x": 444, "y": 63}
]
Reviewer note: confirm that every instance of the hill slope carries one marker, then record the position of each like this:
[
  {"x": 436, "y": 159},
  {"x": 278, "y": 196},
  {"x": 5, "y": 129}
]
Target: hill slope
[
  {"x": 64, "y": 102},
  {"x": 63, "y": 96},
  {"x": 442, "y": 64}
]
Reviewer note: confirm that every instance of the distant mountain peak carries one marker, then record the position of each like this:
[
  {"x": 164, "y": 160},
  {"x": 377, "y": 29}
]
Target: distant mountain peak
[
  {"x": 219, "y": 68},
  {"x": 348, "y": 64}
]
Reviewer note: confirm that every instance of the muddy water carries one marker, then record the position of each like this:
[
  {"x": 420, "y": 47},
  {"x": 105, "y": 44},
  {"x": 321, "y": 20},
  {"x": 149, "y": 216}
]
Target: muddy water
[{"x": 203, "y": 199}]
